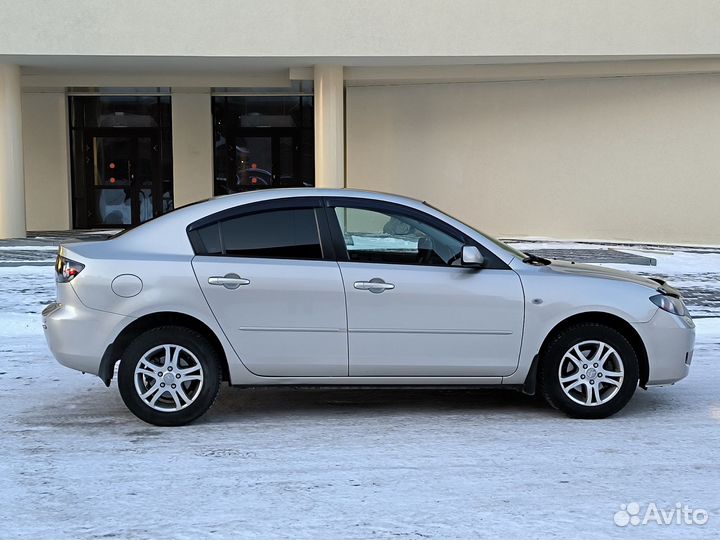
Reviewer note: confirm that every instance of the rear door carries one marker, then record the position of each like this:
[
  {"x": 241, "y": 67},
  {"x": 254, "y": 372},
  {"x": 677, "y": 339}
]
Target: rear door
[
  {"x": 275, "y": 288},
  {"x": 413, "y": 311}
]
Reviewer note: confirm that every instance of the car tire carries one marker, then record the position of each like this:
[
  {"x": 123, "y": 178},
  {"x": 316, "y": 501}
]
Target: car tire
[
  {"x": 589, "y": 370},
  {"x": 169, "y": 376}
]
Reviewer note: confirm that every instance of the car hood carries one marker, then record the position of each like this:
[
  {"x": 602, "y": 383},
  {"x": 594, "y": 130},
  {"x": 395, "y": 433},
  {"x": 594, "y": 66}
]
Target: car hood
[{"x": 590, "y": 270}]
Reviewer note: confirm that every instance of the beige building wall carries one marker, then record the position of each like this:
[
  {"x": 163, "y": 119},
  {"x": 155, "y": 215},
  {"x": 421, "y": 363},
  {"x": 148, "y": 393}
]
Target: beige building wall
[
  {"x": 630, "y": 158},
  {"x": 192, "y": 144},
  {"x": 352, "y": 28},
  {"x": 45, "y": 156}
]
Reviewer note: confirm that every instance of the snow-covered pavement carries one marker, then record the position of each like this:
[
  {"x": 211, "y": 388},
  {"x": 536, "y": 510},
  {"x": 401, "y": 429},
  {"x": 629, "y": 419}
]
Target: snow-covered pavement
[{"x": 74, "y": 463}]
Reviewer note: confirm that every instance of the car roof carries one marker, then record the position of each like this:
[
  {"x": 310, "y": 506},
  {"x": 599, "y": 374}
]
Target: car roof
[
  {"x": 223, "y": 202},
  {"x": 283, "y": 193}
]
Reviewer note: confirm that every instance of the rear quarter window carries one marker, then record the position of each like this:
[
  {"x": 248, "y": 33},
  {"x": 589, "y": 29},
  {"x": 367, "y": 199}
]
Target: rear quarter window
[{"x": 210, "y": 238}]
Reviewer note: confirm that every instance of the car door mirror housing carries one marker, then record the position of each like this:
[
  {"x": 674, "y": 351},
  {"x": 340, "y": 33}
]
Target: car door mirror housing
[{"x": 472, "y": 258}]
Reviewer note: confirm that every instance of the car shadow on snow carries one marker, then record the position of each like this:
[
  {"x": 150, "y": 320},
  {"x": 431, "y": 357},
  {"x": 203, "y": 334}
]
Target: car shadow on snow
[
  {"x": 98, "y": 407},
  {"x": 274, "y": 400},
  {"x": 236, "y": 404}
]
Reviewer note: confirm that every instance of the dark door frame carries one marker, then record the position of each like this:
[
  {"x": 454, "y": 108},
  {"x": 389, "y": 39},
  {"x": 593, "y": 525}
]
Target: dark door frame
[{"x": 134, "y": 134}]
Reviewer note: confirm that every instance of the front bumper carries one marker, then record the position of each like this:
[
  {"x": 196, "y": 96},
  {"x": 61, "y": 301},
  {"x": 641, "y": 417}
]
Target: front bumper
[
  {"x": 669, "y": 341},
  {"x": 78, "y": 336}
]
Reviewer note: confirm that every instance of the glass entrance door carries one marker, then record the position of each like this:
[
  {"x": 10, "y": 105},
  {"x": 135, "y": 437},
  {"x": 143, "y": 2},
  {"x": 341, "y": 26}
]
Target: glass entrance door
[
  {"x": 257, "y": 159},
  {"x": 124, "y": 185},
  {"x": 254, "y": 160},
  {"x": 122, "y": 169},
  {"x": 263, "y": 141}
]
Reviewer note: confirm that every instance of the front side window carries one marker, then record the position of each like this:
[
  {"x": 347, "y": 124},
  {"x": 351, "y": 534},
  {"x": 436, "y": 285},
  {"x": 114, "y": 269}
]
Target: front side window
[
  {"x": 386, "y": 237},
  {"x": 278, "y": 234}
]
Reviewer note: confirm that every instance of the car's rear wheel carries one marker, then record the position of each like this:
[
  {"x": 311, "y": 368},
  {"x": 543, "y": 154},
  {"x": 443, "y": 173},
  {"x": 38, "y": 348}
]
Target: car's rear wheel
[
  {"x": 589, "y": 371},
  {"x": 169, "y": 376}
]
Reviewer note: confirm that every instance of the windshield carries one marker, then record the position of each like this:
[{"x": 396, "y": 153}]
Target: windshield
[{"x": 516, "y": 252}]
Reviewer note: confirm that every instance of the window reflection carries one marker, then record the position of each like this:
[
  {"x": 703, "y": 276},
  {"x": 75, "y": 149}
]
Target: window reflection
[
  {"x": 263, "y": 142},
  {"x": 384, "y": 237}
]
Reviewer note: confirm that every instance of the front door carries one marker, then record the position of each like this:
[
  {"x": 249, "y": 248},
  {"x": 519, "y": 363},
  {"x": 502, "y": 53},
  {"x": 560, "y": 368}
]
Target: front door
[
  {"x": 413, "y": 311},
  {"x": 122, "y": 168},
  {"x": 276, "y": 292}
]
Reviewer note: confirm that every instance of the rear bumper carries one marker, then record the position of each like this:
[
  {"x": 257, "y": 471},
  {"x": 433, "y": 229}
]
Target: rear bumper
[
  {"x": 669, "y": 341},
  {"x": 78, "y": 336}
]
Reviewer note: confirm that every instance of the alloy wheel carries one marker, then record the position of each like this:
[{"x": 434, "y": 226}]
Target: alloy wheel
[
  {"x": 168, "y": 378},
  {"x": 591, "y": 373}
]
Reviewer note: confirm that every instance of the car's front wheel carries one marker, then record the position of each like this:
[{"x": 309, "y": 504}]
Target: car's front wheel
[
  {"x": 169, "y": 376},
  {"x": 589, "y": 371}
]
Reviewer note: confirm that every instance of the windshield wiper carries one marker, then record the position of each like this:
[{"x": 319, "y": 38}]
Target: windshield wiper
[{"x": 534, "y": 259}]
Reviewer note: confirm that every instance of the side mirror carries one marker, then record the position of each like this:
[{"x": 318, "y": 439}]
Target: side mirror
[{"x": 472, "y": 258}]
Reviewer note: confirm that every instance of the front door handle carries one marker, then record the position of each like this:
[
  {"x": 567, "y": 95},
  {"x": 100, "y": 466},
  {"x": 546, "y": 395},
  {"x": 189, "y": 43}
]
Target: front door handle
[
  {"x": 375, "y": 285},
  {"x": 229, "y": 281}
]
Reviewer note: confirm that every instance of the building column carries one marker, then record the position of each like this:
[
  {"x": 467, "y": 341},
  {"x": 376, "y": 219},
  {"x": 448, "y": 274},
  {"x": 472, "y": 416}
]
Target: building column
[
  {"x": 329, "y": 126},
  {"x": 192, "y": 144},
  {"x": 46, "y": 143},
  {"x": 12, "y": 183}
]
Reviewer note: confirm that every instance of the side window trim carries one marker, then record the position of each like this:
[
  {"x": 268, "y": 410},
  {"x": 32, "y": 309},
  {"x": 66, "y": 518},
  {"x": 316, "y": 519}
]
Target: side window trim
[
  {"x": 219, "y": 230},
  {"x": 253, "y": 208},
  {"x": 324, "y": 226},
  {"x": 492, "y": 261},
  {"x": 336, "y": 236}
]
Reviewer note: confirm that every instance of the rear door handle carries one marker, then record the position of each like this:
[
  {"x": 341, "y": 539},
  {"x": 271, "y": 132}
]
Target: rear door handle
[
  {"x": 229, "y": 281},
  {"x": 375, "y": 285}
]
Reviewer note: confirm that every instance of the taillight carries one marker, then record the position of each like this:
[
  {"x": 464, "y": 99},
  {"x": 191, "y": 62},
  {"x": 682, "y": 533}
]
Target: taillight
[{"x": 66, "y": 269}]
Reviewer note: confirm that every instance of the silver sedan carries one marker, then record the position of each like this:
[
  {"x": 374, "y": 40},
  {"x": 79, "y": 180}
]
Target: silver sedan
[{"x": 340, "y": 287}]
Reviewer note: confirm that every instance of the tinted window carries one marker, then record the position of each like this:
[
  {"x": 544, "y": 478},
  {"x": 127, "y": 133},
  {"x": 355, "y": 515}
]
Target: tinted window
[
  {"x": 283, "y": 234},
  {"x": 385, "y": 237}
]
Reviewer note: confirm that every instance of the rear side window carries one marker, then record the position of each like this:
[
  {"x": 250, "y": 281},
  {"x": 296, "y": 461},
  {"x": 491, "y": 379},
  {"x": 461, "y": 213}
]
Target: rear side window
[{"x": 278, "y": 234}]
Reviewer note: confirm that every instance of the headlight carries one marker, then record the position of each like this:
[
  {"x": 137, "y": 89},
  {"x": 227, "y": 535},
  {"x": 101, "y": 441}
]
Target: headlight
[{"x": 670, "y": 304}]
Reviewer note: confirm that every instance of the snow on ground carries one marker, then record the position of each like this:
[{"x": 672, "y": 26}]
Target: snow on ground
[
  {"x": 29, "y": 248},
  {"x": 74, "y": 463}
]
